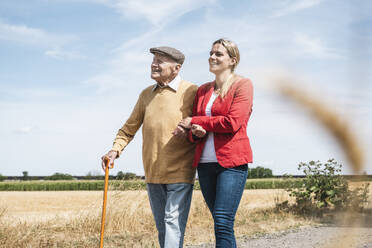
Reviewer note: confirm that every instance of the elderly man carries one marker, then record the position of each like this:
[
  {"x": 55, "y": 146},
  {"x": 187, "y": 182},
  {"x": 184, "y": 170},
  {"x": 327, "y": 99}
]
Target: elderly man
[{"x": 167, "y": 155}]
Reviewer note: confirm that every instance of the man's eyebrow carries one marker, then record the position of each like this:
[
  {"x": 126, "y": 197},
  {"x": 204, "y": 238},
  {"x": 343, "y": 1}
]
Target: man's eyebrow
[{"x": 158, "y": 60}]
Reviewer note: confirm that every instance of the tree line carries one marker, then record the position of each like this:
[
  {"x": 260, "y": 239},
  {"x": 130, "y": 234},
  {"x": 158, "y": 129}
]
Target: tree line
[{"x": 255, "y": 172}]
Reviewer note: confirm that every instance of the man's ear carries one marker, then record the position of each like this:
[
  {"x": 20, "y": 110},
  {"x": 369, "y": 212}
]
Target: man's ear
[{"x": 177, "y": 68}]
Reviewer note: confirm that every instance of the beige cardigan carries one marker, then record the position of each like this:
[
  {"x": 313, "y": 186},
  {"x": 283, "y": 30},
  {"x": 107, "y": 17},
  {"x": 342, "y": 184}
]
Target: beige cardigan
[{"x": 166, "y": 159}]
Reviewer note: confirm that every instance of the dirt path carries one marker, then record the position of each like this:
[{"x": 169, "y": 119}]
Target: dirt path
[{"x": 309, "y": 237}]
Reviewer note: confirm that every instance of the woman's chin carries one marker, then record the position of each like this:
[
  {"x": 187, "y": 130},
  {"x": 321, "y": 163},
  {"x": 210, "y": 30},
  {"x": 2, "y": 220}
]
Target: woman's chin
[{"x": 212, "y": 69}]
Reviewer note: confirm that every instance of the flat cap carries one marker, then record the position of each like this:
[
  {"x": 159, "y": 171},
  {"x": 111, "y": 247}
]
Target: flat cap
[{"x": 169, "y": 52}]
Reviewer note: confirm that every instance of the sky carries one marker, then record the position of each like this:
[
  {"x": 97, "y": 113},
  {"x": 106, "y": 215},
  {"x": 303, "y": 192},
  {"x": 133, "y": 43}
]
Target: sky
[{"x": 71, "y": 72}]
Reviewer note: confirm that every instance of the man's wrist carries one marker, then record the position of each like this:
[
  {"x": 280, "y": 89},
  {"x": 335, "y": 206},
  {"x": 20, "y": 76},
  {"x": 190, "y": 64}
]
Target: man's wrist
[{"x": 112, "y": 151}]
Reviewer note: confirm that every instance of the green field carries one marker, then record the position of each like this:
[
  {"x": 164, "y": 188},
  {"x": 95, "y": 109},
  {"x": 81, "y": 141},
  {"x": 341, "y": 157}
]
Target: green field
[{"x": 271, "y": 183}]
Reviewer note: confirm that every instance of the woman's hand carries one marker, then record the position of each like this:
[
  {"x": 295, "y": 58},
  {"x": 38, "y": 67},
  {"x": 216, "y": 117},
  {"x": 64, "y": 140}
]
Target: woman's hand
[
  {"x": 186, "y": 123},
  {"x": 198, "y": 131}
]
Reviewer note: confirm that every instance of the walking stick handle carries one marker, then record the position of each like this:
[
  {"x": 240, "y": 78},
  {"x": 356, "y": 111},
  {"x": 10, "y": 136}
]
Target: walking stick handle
[{"x": 107, "y": 163}]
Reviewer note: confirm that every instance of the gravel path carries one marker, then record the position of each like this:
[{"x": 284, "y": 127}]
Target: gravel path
[{"x": 307, "y": 237}]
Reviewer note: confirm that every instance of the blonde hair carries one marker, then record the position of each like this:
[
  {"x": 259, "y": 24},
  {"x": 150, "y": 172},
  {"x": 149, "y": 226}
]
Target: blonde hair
[{"x": 233, "y": 52}]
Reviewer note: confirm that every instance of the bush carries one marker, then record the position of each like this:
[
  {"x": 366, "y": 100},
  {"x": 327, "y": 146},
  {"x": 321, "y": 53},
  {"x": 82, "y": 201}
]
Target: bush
[
  {"x": 94, "y": 175},
  {"x": 126, "y": 176},
  {"x": 2, "y": 178},
  {"x": 324, "y": 188},
  {"x": 25, "y": 175},
  {"x": 259, "y": 172},
  {"x": 60, "y": 176}
]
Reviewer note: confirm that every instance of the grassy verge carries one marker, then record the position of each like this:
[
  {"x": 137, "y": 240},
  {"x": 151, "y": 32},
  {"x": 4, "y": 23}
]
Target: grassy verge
[
  {"x": 129, "y": 221},
  {"x": 129, "y": 185}
]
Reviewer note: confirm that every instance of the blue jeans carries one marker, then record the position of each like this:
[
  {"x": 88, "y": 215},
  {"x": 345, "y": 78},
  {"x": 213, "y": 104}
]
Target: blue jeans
[
  {"x": 222, "y": 189},
  {"x": 170, "y": 205}
]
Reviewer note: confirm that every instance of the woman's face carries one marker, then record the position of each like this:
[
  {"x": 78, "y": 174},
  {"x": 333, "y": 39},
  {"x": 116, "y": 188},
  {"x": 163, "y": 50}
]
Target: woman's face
[{"x": 219, "y": 60}]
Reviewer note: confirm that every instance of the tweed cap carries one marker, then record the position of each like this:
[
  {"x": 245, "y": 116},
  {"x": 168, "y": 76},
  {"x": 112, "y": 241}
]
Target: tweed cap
[{"x": 169, "y": 52}]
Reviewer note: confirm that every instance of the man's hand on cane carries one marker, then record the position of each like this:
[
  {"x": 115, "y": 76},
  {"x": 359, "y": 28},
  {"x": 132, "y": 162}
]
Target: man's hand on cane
[{"x": 111, "y": 155}]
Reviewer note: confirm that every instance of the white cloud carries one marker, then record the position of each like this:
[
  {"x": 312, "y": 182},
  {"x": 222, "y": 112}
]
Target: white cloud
[
  {"x": 131, "y": 60},
  {"x": 32, "y": 94},
  {"x": 67, "y": 133},
  {"x": 136, "y": 41},
  {"x": 106, "y": 81},
  {"x": 26, "y": 129},
  {"x": 129, "y": 69},
  {"x": 293, "y": 6},
  {"x": 315, "y": 47},
  {"x": 60, "y": 54},
  {"x": 54, "y": 43},
  {"x": 33, "y": 36},
  {"x": 158, "y": 12}
]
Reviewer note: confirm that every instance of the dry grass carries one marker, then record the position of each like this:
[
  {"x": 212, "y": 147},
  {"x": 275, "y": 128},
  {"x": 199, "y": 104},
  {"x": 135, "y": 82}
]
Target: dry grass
[{"x": 72, "y": 219}]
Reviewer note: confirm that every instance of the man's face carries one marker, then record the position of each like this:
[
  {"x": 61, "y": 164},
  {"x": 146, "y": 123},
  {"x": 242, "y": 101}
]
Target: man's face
[{"x": 163, "y": 68}]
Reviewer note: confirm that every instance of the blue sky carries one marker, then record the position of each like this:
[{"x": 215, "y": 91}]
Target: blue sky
[{"x": 71, "y": 71}]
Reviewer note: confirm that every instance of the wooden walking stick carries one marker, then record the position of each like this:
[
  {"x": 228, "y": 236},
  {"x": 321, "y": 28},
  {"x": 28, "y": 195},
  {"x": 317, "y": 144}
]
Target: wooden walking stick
[{"x": 107, "y": 163}]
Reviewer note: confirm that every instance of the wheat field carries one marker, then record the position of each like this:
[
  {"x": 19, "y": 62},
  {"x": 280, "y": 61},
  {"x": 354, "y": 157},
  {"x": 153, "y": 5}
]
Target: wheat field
[{"x": 72, "y": 218}]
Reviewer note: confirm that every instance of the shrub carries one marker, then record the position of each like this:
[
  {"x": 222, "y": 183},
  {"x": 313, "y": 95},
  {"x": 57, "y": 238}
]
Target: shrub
[
  {"x": 25, "y": 175},
  {"x": 2, "y": 178},
  {"x": 259, "y": 172},
  {"x": 126, "y": 176},
  {"x": 324, "y": 188},
  {"x": 94, "y": 175},
  {"x": 358, "y": 198},
  {"x": 60, "y": 176}
]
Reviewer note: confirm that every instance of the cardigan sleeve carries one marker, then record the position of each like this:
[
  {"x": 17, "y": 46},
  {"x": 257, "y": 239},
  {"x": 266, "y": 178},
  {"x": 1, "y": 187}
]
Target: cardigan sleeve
[{"x": 238, "y": 114}]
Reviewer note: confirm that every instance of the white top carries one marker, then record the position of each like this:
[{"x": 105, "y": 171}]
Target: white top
[{"x": 209, "y": 152}]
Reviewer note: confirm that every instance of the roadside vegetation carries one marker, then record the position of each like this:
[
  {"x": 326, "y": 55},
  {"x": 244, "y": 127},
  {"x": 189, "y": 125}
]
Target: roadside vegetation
[{"x": 324, "y": 190}]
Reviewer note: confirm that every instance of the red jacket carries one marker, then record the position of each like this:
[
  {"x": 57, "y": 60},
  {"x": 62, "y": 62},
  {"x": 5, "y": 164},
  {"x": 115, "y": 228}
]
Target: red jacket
[{"x": 228, "y": 123}]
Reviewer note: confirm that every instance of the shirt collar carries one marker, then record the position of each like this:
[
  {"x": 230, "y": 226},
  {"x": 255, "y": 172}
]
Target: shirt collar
[{"x": 173, "y": 84}]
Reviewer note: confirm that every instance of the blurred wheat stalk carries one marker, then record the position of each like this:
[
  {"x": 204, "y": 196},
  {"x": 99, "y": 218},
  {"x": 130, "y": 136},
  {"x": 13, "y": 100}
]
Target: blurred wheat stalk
[
  {"x": 341, "y": 130},
  {"x": 330, "y": 119}
]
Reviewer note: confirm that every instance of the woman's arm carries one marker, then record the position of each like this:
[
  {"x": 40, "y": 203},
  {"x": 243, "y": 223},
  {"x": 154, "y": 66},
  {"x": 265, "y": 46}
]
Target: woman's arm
[{"x": 195, "y": 133}]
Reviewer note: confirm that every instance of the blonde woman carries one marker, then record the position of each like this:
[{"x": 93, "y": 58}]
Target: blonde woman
[{"x": 219, "y": 127}]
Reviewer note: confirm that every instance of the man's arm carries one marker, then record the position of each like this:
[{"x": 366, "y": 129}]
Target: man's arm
[{"x": 127, "y": 131}]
